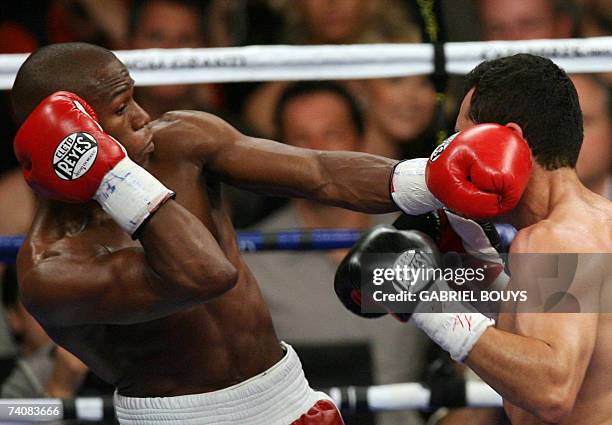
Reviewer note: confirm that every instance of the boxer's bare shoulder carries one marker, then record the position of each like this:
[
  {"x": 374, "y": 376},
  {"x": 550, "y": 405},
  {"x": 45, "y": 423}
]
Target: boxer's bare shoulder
[
  {"x": 197, "y": 134},
  {"x": 583, "y": 225},
  {"x": 578, "y": 225}
]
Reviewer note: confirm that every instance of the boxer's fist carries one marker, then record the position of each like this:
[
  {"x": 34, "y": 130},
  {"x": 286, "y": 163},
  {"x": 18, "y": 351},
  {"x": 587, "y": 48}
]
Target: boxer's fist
[
  {"x": 63, "y": 150},
  {"x": 383, "y": 248},
  {"x": 66, "y": 156},
  {"x": 480, "y": 172},
  {"x": 477, "y": 243}
]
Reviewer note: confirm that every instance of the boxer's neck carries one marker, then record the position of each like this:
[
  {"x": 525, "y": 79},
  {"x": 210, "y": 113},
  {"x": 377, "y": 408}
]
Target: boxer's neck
[{"x": 546, "y": 190}]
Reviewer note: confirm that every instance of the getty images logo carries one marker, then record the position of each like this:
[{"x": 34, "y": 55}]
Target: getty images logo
[{"x": 74, "y": 156}]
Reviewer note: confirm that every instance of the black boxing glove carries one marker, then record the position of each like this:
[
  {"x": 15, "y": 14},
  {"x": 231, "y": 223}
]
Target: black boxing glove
[
  {"x": 477, "y": 242},
  {"x": 436, "y": 225},
  {"x": 383, "y": 247}
]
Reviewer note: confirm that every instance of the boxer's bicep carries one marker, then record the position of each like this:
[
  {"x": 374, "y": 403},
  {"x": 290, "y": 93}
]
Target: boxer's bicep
[
  {"x": 537, "y": 361},
  {"x": 114, "y": 288},
  {"x": 546, "y": 354},
  {"x": 571, "y": 337}
]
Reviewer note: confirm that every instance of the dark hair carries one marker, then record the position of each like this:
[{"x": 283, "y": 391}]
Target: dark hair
[
  {"x": 138, "y": 6},
  {"x": 62, "y": 66},
  {"x": 305, "y": 88},
  {"x": 537, "y": 95}
]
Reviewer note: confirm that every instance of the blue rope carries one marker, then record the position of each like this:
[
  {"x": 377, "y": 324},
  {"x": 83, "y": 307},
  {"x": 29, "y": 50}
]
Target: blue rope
[{"x": 283, "y": 240}]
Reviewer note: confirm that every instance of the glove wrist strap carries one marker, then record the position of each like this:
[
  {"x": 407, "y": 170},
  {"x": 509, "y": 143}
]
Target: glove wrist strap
[
  {"x": 409, "y": 189},
  {"x": 130, "y": 194}
]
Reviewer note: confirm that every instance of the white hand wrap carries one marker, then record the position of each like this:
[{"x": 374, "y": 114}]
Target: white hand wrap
[
  {"x": 456, "y": 333},
  {"x": 130, "y": 194},
  {"x": 477, "y": 244},
  {"x": 409, "y": 190}
]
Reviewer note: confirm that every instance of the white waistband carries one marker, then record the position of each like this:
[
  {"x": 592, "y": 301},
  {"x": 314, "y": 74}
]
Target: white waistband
[{"x": 278, "y": 396}]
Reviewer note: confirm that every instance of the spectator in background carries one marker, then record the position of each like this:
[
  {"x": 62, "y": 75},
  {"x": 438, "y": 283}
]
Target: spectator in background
[
  {"x": 17, "y": 206},
  {"x": 327, "y": 22},
  {"x": 400, "y": 116},
  {"x": 525, "y": 19},
  {"x": 42, "y": 369},
  {"x": 400, "y": 111},
  {"x": 594, "y": 165},
  {"x": 596, "y": 18},
  {"x": 172, "y": 24},
  {"x": 169, "y": 24},
  {"x": 17, "y": 203},
  {"x": 596, "y": 21},
  {"x": 298, "y": 287},
  {"x": 27, "y": 25},
  {"x": 343, "y": 21},
  {"x": 239, "y": 22}
]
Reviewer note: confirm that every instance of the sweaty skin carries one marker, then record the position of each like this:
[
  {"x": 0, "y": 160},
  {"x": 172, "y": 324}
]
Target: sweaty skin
[
  {"x": 178, "y": 311},
  {"x": 554, "y": 368}
]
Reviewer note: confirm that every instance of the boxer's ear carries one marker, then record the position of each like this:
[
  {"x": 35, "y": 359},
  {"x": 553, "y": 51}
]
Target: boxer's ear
[{"x": 515, "y": 127}]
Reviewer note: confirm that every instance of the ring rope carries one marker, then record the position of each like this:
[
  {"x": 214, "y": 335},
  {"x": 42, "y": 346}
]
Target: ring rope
[
  {"x": 283, "y": 240},
  {"x": 377, "y": 398},
  {"x": 281, "y": 62}
]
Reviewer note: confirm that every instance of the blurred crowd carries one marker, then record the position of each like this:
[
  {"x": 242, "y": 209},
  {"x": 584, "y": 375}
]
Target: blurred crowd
[{"x": 395, "y": 117}]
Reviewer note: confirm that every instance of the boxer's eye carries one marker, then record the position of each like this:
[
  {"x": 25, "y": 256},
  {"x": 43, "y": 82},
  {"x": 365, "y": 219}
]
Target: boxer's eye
[{"x": 121, "y": 109}]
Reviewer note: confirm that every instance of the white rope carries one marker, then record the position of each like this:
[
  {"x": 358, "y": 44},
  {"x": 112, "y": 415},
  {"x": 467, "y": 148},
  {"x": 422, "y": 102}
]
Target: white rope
[
  {"x": 377, "y": 398},
  {"x": 415, "y": 396},
  {"x": 409, "y": 396},
  {"x": 268, "y": 63}
]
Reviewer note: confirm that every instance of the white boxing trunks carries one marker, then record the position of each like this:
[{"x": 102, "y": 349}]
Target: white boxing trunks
[{"x": 279, "y": 396}]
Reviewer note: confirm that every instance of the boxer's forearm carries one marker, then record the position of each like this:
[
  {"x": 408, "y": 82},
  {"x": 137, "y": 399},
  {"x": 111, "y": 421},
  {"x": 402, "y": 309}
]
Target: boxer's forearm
[
  {"x": 183, "y": 252},
  {"x": 355, "y": 181},
  {"x": 528, "y": 372},
  {"x": 352, "y": 180}
]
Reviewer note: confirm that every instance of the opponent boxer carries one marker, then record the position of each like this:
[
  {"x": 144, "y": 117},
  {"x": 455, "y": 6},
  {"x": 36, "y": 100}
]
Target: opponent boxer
[
  {"x": 177, "y": 315},
  {"x": 550, "y": 368}
]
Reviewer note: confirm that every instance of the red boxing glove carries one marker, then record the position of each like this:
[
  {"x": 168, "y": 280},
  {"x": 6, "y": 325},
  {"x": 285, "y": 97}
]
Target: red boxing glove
[
  {"x": 480, "y": 172},
  {"x": 63, "y": 150},
  {"x": 67, "y": 156}
]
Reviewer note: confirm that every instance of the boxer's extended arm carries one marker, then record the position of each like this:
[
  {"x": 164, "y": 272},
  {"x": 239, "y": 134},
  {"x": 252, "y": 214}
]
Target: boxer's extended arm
[
  {"x": 353, "y": 180},
  {"x": 466, "y": 176},
  {"x": 540, "y": 363},
  {"x": 180, "y": 266}
]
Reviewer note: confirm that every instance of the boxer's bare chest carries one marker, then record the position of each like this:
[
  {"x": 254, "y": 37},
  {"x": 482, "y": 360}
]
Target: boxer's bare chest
[{"x": 123, "y": 354}]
